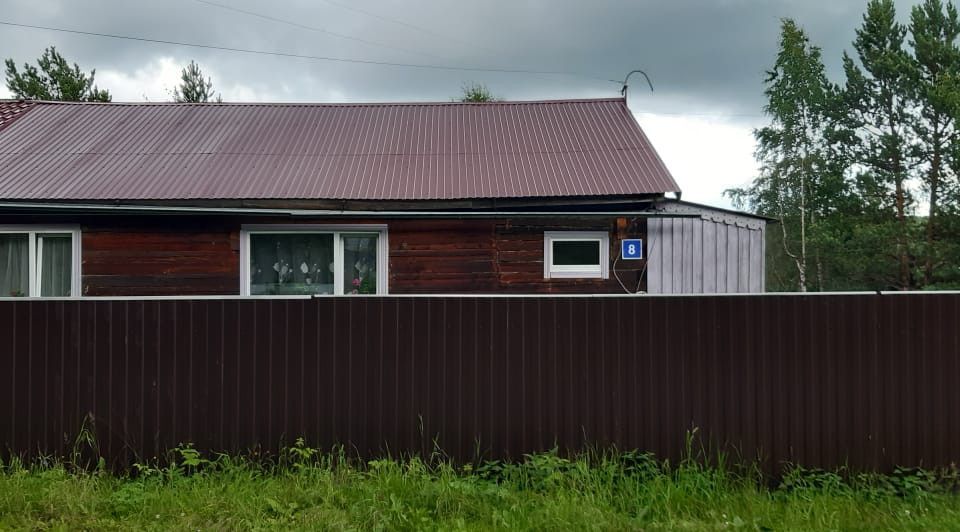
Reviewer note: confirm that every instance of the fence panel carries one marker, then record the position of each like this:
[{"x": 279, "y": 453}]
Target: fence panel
[{"x": 863, "y": 380}]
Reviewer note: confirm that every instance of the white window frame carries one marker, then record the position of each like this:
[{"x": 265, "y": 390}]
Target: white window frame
[
  {"x": 552, "y": 271},
  {"x": 34, "y": 259},
  {"x": 383, "y": 249}
]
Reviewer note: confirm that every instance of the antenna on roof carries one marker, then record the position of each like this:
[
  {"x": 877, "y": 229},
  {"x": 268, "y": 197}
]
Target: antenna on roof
[{"x": 623, "y": 90}]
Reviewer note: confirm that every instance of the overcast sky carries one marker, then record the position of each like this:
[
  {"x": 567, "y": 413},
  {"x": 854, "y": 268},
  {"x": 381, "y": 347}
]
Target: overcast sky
[{"x": 706, "y": 57}]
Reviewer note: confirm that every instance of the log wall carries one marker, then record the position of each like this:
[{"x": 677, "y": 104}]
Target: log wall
[
  {"x": 497, "y": 256},
  {"x": 178, "y": 255},
  {"x": 168, "y": 257}
]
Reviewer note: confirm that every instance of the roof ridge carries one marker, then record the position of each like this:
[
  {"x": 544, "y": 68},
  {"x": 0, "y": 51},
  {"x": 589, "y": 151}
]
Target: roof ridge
[{"x": 323, "y": 104}]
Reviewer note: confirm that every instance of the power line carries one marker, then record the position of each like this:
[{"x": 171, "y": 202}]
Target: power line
[
  {"x": 718, "y": 114},
  {"x": 314, "y": 28},
  {"x": 370, "y": 62},
  {"x": 399, "y": 22},
  {"x": 313, "y": 57}
]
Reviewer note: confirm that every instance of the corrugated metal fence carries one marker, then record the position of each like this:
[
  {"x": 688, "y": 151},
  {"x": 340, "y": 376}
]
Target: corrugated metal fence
[{"x": 870, "y": 381}]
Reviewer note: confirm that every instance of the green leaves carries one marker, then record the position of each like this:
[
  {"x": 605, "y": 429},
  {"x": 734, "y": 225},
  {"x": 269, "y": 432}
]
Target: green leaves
[
  {"x": 194, "y": 88},
  {"x": 55, "y": 79},
  {"x": 477, "y": 93},
  {"x": 798, "y": 180},
  {"x": 863, "y": 175}
]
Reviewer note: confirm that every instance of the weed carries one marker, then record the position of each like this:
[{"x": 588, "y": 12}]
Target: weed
[
  {"x": 600, "y": 489},
  {"x": 85, "y": 448}
]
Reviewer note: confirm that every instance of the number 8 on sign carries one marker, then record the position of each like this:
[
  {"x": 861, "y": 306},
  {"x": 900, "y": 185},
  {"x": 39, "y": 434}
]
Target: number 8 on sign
[{"x": 631, "y": 249}]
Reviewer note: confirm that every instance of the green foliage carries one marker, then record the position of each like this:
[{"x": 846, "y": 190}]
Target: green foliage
[
  {"x": 368, "y": 285},
  {"x": 799, "y": 183},
  {"x": 935, "y": 77},
  {"x": 309, "y": 489},
  {"x": 864, "y": 176},
  {"x": 876, "y": 125},
  {"x": 194, "y": 88},
  {"x": 55, "y": 79},
  {"x": 477, "y": 93}
]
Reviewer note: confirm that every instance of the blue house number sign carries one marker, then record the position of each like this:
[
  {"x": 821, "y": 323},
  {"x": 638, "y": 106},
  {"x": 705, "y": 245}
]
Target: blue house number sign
[{"x": 631, "y": 249}]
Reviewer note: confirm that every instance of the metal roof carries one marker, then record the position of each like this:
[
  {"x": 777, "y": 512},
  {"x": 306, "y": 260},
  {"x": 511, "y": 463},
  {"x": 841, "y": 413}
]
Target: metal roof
[
  {"x": 416, "y": 151},
  {"x": 11, "y": 110}
]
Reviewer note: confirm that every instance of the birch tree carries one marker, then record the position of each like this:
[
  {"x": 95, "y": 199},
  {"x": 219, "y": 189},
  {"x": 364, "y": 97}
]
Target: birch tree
[{"x": 792, "y": 150}]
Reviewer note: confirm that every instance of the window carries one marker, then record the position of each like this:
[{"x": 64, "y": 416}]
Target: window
[
  {"x": 313, "y": 260},
  {"x": 39, "y": 261},
  {"x": 573, "y": 254}
]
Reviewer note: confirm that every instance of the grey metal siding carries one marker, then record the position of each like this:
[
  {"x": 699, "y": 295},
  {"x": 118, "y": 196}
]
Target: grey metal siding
[
  {"x": 665, "y": 257},
  {"x": 732, "y": 262},
  {"x": 707, "y": 255},
  {"x": 757, "y": 272}
]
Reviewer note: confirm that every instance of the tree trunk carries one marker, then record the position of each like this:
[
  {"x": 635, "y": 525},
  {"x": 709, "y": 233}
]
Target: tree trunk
[
  {"x": 804, "y": 168},
  {"x": 900, "y": 199},
  {"x": 801, "y": 267},
  {"x": 819, "y": 273},
  {"x": 934, "y": 181},
  {"x": 902, "y": 234}
]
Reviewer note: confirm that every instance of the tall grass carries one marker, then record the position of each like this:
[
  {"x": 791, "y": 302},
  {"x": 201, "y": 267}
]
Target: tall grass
[{"x": 307, "y": 489}]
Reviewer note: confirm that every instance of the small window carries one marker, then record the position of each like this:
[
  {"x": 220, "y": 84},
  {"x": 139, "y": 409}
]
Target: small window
[
  {"x": 313, "y": 260},
  {"x": 573, "y": 254},
  {"x": 39, "y": 263}
]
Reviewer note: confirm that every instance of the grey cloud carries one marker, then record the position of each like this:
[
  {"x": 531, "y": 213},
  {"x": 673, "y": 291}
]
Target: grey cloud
[{"x": 704, "y": 56}]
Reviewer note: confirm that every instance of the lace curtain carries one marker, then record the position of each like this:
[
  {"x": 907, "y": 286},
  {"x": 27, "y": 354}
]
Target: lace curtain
[
  {"x": 287, "y": 264},
  {"x": 291, "y": 263}
]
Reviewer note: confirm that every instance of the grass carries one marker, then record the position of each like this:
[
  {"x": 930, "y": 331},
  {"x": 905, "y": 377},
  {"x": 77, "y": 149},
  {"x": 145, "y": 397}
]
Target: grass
[{"x": 305, "y": 489}]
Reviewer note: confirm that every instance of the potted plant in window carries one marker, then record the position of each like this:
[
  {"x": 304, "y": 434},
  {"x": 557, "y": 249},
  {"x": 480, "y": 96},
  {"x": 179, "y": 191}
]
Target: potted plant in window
[
  {"x": 365, "y": 281},
  {"x": 368, "y": 284},
  {"x": 364, "y": 285}
]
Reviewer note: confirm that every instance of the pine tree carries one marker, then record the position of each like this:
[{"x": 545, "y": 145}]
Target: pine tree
[
  {"x": 935, "y": 77},
  {"x": 193, "y": 87},
  {"x": 876, "y": 119},
  {"x": 54, "y": 80}
]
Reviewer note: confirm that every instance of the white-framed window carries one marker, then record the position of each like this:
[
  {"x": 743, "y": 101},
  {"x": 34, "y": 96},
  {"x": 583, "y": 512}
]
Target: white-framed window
[
  {"x": 39, "y": 261},
  {"x": 313, "y": 259},
  {"x": 576, "y": 254}
]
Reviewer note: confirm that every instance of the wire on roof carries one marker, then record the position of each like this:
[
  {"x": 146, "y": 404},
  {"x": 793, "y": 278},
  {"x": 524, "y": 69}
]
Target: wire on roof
[
  {"x": 310, "y": 57},
  {"x": 717, "y": 114}
]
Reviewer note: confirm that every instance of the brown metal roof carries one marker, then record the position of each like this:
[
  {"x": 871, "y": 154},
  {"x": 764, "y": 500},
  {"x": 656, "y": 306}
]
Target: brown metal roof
[
  {"x": 148, "y": 151},
  {"x": 11, "y": 110}
]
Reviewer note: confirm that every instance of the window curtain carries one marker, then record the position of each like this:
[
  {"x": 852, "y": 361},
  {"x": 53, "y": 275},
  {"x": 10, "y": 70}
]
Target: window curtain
[
  {"x": 285, "y": 264},
  {"x": 56, "y": 253},
  {"x": 14, "y": 266}
]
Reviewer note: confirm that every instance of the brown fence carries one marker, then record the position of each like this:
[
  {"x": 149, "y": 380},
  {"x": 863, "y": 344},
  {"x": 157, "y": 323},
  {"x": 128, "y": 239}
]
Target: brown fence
[{"x": 869, "y": 381}]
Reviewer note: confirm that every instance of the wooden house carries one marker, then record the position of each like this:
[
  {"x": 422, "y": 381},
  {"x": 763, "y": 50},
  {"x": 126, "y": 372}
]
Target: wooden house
[{"x": 139, "y": 199}]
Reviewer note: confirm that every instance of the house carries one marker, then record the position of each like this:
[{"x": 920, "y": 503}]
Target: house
[{"x": 137, "y": 199}]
